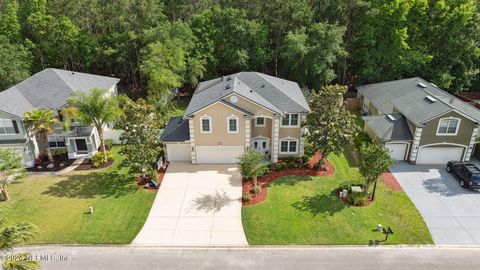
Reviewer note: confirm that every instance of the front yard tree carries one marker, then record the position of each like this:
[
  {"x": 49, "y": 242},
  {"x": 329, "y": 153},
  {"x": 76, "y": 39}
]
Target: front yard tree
[
  {"x": 11, "y": 169},
  {"x": 252, "y": 165},
  {"x": 330, "y": 125},
  {"x": 374, "y": 161},
  {"x": 96, "y": 108},
  {"x": 41, "y": 123},
  {"x": 141, "y": 124},
  {"x": 12, "y": 235}
]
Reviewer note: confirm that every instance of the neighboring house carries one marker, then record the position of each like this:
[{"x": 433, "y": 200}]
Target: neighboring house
[
  {"x": 228, "y": 115},
  {"x": 49, "y": 89},
  {"x": 419, "y": 122}
]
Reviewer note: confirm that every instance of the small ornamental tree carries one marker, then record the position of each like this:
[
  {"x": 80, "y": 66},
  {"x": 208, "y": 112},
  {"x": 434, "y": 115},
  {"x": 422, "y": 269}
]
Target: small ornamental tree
[
  {"x": 374, "y": 161},
  {"x": 41, "y": 123},
  {"x": 141, "y": 125},
  {"x": 330, "y": 125},
  {"x": 252, "y": 165},
  {"x": 12, "y": 235},
  {"x": 11, "y": 169}
]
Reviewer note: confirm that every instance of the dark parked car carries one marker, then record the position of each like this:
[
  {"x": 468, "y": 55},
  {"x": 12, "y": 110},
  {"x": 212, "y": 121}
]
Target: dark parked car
[{"x": 467, "y": 174}]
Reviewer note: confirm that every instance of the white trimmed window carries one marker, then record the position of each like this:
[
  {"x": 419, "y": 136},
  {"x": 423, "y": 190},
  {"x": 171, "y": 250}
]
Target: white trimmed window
[
  {"x": 205, "y": 124},
  {"x": 260, "y": 122},
  {"x": 288, "y": 146},
  {"x": 55, "y": 142},
  {"x": 448, "y": 126},
  {"x": 291, "y": 120},
  {"x": 6, "y": 127},
  {"x": 232, "y": 124}
]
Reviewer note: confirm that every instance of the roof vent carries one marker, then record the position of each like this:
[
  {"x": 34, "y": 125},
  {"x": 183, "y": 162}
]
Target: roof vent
[
  {"x": 227, "y": 87},
  {"x": 263, "y": 86},
  {"x": 229, "y": 78},
  {"x": 434, "y": 85},
  {"x": 430, "y": 99},
  {"x": 391, "y": 118},
  {"x": 422, "y": 85}
]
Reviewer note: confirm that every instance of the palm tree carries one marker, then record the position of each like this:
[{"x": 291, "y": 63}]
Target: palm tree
[
  {"x": 11, "y": 235},
  {"x": 41, "y": 123},
  {"x": 96, "y": 108}
]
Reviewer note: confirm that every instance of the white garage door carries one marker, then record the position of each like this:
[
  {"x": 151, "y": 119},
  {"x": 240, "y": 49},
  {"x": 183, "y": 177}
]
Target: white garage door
[
  {"x": 178, "y": 152},
  {"x": 397, "y": 150},
  {"x": 439, "y": 155},
  {"x": 218, "y": 154}
]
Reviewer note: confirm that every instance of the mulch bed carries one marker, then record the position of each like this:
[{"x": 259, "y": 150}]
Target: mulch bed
[
  {"x": 87, "y": 165},
  {"x": 264, "y": 181},
  {"x": 57, "y": 160},
  {"x": 345, "y": 201},
  {"x": 160, "y": 175},
  {"x": 391, "y": 182}
]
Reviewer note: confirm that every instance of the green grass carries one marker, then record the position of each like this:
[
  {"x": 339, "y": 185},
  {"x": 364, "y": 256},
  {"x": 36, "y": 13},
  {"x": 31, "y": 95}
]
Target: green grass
[
  {"x": 57, "y": 206},
  {"x": 305, "y": 210},
  {"x": 180, "y": 106}
]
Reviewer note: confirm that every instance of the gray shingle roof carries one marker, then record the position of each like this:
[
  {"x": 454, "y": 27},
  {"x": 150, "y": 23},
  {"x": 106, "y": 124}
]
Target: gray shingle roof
[
  {"x": 407, "y": 97},
  {"x": 50, "y": 89},
  {"x": 279, "y": 95},
  {"x": 386, "y": 130},
  {"x": 177, "y": 130}
]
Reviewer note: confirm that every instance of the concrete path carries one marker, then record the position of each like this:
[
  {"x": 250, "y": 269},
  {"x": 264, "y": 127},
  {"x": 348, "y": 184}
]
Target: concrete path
[
  {"x": 70, "y": 168},
  {"x": 196, "y": 205},
  {"x": 451, "y": 213},
  {"x": 278, "y": 258}
]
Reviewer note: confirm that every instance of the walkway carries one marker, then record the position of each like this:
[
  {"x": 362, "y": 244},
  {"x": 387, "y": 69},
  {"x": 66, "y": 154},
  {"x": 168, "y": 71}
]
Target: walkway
[{"x": 196, "y": 205}]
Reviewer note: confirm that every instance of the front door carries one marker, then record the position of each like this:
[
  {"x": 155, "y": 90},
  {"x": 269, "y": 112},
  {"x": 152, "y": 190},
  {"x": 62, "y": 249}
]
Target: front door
[
  {"x": 81, "y": 145},
  {"x": 261, "y": 145}
]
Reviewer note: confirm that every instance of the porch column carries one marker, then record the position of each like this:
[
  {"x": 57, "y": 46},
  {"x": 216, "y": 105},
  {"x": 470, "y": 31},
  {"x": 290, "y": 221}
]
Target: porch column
[
  {"x": 471, "y": 144},
  {"x": 415, "y": 144},
  {"x": 248, "y": 133},
  {"x": 301, "y": 151},
  {"x": 275, "y": 137},
  {"x": 193, "y": 154}
]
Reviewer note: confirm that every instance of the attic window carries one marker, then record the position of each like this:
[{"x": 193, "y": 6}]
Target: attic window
[
  {"x": 430, "y": 99},
  {"x": 227, "y": 87},
  {"x": 229, "y": 78},
  {"x": 391, "y": 118},
  {"x": 422, "y": 85}
]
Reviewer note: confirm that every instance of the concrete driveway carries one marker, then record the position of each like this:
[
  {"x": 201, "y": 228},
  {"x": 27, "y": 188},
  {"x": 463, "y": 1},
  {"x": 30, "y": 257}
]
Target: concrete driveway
[
  {"x": 196, "y": 205},
  {"x": 451, "y": 213}
]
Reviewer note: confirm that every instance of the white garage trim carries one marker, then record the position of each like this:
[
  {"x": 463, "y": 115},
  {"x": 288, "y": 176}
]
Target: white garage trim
[
  {"x": 178, "y": 152},
  {"x": 218, "y": 154},
  {"x": 437, "y": 146},
  {"x": 396, "y": 148}
]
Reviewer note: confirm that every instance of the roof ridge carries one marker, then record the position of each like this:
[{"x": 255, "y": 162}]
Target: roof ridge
[
  {"x": 61, "y": 78},
  {"x": 279, "y": 90}
]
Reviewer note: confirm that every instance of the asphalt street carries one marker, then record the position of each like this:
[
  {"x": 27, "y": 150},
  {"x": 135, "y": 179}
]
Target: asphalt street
[{"x": 129, "y": 257}]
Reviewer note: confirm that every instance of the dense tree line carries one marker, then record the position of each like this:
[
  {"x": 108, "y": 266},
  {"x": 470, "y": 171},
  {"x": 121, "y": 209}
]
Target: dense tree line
[{"x": 160, "y": 44}]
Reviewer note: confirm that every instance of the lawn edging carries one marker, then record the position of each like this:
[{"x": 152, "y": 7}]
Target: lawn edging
[{"x": 265, "y": 180}]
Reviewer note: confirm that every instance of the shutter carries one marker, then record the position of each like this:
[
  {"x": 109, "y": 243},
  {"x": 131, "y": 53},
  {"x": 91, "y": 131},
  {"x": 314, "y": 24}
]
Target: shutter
[{"x": 15, "y": 126}]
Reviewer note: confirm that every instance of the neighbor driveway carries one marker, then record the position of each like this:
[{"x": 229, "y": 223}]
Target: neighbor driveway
[
  {"x": 451, "y": 213},
  {"x": 196, "y": 205}
]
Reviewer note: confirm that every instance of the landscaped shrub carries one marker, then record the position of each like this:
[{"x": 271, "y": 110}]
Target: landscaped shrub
[
  {"x": 252, "y": 163},
  {"x": 280, "y": 167},
  {"x": 257, "y": 190},
  {"x": 292, "y": 164},
  {"x": 108, "y": 144},
  {"x": 98, "y": 159},
  {"x": 246, "y": 197},
  {"x": 357, "y": 198},
  {"x": 317, "y": 166},
  {"x": 59, "y": 152}
]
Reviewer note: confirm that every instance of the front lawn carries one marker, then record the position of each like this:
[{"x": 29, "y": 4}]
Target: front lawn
[
  {"x": 58, "y": 205},
  {"x": 305, "y": 210}
]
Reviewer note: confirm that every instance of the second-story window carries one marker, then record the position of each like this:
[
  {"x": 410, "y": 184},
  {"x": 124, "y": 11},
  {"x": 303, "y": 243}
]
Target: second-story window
[
  {"x": 232, "y": 124},
  {"x": 448, "y": 126},
  {"x": 260, "y": 122},
  {"x": 290, "y": 120},
  {"x": 206, "y": 124}
]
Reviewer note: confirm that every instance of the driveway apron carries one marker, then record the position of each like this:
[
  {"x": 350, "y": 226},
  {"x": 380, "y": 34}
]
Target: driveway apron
[
  {"x": 451, "y": 213},
  {"x": 196, "y": 205}
]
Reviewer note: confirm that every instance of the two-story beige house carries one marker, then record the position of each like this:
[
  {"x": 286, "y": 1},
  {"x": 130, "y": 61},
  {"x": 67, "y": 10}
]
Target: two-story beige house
[
  {"x": 229, "y": 115},
  {"x": 419, "y": 122}
]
